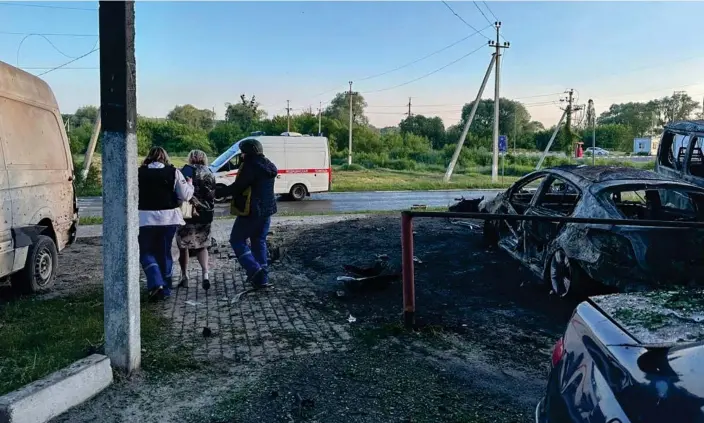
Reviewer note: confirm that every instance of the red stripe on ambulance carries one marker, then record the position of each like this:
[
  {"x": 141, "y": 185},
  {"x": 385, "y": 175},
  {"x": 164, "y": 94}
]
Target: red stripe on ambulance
[{"x": 288, "y": 171}]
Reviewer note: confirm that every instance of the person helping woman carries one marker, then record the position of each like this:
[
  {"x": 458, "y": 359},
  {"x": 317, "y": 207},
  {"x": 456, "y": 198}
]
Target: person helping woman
[
  {"x": 254, "y": 202},
  {"x": 162, "y": 189}
]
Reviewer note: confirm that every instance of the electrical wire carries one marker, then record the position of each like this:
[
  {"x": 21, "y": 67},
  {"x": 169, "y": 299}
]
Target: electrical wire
[
  {"x": 70, "y": 61},
  {"x": 46, "y": 6},
  {"x": 422, "y": 58},
  {"x": 462, "y": 19},
  {"x": 19, "y": 47},
  {"x": 482, "y": 12},
  {"x": 490, "y": 11},
  {"x": 48, "y": 34},
  {"x": 427, "y": 74}
]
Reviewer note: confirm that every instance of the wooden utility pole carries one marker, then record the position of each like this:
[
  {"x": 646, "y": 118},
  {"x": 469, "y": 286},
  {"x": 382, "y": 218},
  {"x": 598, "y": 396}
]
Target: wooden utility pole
[
  {"x": 497, "y": 84},
  {"x": 118, "y": 110}
]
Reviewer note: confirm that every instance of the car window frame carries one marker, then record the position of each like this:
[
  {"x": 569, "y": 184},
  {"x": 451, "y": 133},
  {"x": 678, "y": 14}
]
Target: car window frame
[
  {"x": 535, "y": 204},
  {"x": 525, "y": 181}
]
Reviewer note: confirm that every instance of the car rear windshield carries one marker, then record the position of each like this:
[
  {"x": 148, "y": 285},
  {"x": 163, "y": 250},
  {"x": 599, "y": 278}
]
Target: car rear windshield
[{"x": 658, "y": 203}]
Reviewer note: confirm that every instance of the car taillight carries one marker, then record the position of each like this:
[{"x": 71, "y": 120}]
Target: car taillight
[
  {"x": 557, "y": 352},
  {"x": 330, "y": 178}
]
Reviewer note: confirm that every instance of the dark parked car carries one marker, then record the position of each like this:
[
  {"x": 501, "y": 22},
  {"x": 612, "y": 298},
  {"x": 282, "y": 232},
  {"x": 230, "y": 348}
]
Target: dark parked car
[
  {"x": 629, "y": 358},
  {"x": 571, "y": 257}
]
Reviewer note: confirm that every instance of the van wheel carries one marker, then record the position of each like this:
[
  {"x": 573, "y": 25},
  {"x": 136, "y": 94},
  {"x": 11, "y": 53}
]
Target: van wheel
[
  {"x": 40, "y": 269},
  {"x": 298, "y": 192},
  {"x": 219, "y": 198}
]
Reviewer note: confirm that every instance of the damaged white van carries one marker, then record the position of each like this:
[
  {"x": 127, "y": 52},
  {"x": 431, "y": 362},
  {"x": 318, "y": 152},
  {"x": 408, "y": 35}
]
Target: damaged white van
[
  {"x": 38, "y": 210},
  {"x": 303, "y": 163}
]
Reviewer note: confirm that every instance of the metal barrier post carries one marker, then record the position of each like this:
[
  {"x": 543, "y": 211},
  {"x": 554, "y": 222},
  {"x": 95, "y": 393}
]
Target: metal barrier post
[{"x": 409, "y": 291}]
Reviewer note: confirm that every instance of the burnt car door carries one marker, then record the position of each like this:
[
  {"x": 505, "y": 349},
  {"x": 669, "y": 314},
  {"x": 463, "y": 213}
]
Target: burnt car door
[
  {"x": 557, "y": 198},
  {"x": 519, "y": 200}
]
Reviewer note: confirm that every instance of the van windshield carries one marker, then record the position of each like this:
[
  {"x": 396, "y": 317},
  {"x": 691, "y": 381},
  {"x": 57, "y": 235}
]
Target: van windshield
[{"x": 224, "y": 157}]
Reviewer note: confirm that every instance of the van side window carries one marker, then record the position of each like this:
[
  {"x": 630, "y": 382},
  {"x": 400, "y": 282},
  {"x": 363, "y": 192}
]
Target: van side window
[{"x": 32, "y": 137}]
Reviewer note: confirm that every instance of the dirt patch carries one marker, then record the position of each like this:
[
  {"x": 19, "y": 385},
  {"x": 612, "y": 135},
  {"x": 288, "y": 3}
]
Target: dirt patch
[{"x": 486, "y": 328}]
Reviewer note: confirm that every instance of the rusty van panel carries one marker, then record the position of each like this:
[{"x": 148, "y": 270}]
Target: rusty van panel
[{"x": 38, "y": 163}]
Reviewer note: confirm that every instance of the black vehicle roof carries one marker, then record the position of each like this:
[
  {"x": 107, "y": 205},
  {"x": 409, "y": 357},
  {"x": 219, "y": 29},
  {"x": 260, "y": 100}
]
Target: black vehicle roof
[
  {"x": 588, "y": 175},
  {"x": 686, "y": 126}
]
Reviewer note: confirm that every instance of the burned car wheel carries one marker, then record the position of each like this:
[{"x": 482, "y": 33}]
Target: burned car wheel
[{"x": 565, "y": 277}]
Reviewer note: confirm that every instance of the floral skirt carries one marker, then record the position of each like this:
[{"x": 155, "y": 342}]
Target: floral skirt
[{"x": 193, "y": 236}]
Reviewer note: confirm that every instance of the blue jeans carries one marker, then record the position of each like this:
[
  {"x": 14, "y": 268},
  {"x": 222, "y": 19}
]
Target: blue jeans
[
  {"x": 155, "y": 255},
  {"x": 255, "y": 229}
]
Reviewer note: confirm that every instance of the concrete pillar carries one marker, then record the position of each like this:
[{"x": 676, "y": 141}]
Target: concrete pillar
[{"x": 121, "y": 225}]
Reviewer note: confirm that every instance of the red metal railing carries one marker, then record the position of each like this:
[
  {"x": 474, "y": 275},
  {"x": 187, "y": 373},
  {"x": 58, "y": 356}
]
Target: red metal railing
[{"x": 409, "y": 290}]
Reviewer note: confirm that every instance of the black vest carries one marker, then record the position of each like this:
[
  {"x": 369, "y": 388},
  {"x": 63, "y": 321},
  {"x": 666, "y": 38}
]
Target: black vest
[{"x": 156, "y": 188}]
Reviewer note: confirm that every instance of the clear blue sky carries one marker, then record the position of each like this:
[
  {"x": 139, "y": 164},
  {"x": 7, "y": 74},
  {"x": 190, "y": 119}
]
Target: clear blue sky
[{"x": 208, "y": 53}]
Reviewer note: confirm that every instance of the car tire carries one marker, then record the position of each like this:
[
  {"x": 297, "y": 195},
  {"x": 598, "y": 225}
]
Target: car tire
[
  {"x": 565, "y": 277},
  {"x": 40, "y": 268},
  {"x": 298, "y": 192},
  {"x": 220, "y": 199}
]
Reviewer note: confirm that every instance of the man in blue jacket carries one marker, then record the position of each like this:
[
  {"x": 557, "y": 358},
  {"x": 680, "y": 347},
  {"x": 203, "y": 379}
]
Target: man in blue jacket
[{"x": 258, "y": 173}]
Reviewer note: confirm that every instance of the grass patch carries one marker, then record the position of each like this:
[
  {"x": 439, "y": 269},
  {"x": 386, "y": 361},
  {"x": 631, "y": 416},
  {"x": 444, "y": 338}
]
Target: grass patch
[
  {"x": 90, "y": 220},
  {"x": 42, "y": 336},
  {"x": 396, "y": 180}
]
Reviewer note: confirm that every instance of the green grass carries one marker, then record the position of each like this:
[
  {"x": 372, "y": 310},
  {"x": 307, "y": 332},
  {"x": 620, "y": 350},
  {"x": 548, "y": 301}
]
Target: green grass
[
  {"x": 42, "y": 336},
  {"x": 398, "y": 180}
]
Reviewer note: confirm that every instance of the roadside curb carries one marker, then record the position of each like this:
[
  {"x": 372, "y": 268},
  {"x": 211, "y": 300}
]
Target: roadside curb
[{"x": 46, "y": 398}]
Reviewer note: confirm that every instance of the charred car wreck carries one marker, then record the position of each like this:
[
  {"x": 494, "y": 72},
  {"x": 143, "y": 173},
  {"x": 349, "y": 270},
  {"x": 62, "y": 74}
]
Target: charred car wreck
[{"x": 575, "y": 258}]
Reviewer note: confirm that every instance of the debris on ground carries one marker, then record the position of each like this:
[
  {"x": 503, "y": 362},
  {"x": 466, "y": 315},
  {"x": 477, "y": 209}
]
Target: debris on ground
[
  {"x": 192, "y": 303},
  {"x": 351, "y": 319},
  {"x": 463, "y": 205},
  {"x": 207, "y": 332},
  {"x": 417, "y": 260}
]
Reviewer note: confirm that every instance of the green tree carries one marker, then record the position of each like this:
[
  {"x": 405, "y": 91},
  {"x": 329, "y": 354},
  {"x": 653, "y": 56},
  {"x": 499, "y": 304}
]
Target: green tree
[
  {"x": 86, "y": 115},
  {"x": 679, "y": 106},
  {"x": 192, "y": 116},
  {"x": 639, "y": 116},
  {"x": 224, "y": 135},
  {"x": 246, "y": 113},
  {"x": 430, "y": 128},
  {"x": 339, "y": 108},
  {"x": 612, "y": 136},
  {"x": 481, "y": 131}
]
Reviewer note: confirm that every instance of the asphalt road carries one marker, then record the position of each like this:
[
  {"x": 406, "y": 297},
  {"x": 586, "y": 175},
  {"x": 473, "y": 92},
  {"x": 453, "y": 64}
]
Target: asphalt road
[{"x": 336, "y": 202}]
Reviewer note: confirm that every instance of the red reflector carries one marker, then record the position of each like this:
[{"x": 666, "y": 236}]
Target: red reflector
[{"x": 558, "y": 352}]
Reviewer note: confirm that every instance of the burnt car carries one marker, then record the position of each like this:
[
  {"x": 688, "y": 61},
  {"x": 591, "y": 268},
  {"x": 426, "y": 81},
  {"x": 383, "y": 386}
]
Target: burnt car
[
  {"x": 629, "y": 358},
  {"x": 575, "y": 258}
]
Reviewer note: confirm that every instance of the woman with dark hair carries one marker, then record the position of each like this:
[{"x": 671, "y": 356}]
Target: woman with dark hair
[
  {"x": 194, "y": 237},
  {"x": 162, "y": 189}
]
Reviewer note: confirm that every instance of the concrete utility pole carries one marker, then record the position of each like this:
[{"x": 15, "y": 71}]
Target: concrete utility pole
[
  {"x": 91, "y": 146},
  {"x": 552, "y": 139},
  {"x": 592, "y": 123},
  {"x": 349, "y": 149},
  {"x": 568, "y": 123},
  {"x": 288, "y": 116},
  {"x": 470, "y": 118},
  {"x": 409, "y": 106},
  {"x": 497, "y": 79},
  {"x": 515, "y": 120},
  {"x": 118, "y": 102},
  {"x": 320, "y": 119}
]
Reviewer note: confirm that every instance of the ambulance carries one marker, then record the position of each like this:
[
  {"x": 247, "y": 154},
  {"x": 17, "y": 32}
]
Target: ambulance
[{"x": 303, "y": 162}]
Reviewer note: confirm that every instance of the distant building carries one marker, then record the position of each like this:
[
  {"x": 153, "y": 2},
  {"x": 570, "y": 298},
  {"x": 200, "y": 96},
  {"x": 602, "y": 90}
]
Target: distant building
[{"x": 646, "y": 145}]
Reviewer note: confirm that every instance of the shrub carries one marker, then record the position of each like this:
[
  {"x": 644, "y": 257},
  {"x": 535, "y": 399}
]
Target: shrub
[{"x": 351, "y": 167}]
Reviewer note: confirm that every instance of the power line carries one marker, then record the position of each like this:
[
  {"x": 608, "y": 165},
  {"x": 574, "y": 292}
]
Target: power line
[
  {"x": 422, "y": 58},
  {"x": 462, "y": 19},
  {"x": 482, "y": 12},
  {"x": 427, "y": 74},
  {"x": 490, "y": 11},
  {"x": 50, "y": 43},
  {"x": 46, "y": 6},
  {"x": 70, "y": 61},
  {"x": 48, "y": 34}
]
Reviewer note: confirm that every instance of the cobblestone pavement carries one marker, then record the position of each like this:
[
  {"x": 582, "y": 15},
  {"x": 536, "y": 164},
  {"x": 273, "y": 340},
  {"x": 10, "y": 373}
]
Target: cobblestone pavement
[{"x": 250, "y": 326}]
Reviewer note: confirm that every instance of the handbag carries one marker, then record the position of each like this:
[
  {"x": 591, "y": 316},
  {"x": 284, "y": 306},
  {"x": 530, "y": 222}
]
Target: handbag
[
  {"x": 240, "y": 206},
  {"x": 186, "y": 210}
]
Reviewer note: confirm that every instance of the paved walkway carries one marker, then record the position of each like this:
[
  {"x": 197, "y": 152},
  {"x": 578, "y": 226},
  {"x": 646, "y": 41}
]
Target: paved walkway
[{"x": 250, "y": 327}]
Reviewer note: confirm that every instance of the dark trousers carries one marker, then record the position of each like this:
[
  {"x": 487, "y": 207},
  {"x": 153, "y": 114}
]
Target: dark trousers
[
  {"x": 255, "y": 229},
  {"x": 155, "y": 255}
]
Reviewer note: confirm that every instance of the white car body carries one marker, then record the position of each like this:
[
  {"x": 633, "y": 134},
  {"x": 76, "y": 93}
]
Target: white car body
[
  {"x": 302, "y": 161},
  {"x": 597, "y": 151}
]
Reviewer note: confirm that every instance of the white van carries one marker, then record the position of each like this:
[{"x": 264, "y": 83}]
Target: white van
[
  {"x": 38, "y": 210},
  {"x": 303, "y": 163}
]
